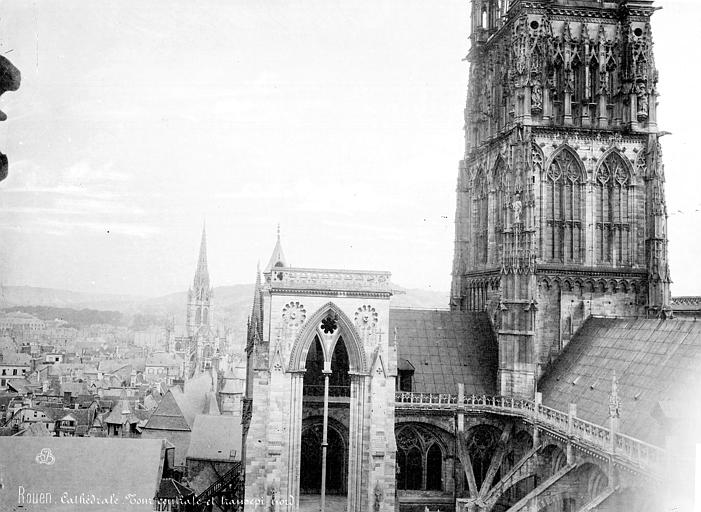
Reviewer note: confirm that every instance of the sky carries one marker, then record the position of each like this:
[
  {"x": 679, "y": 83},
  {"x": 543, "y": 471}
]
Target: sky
[{"x": 341, "y": 121}]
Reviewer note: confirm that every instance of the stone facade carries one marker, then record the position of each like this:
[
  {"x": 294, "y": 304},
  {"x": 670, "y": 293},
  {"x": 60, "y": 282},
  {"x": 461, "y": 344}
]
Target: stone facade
[
  {"x": 560, "y": 209},
  {"x": 295, "y": 310}
]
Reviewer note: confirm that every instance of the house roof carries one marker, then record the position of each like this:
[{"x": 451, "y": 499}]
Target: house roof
[
  {"x": 38, "y": 429},
  {"x": 446, "y": 348},
  {"x": 655, "y": 362},
  {"x": 21, "y": 385},
  {"x": 94, "y": 466},
  {"x": 16, "y": 359},
  {"x": 211, "y": 405},
  {"x": 215, "y": 438},
  {"x": 168, "y": 415},
  {"x": 163, "y": 359},
  {"x": 121, "y": 413}
]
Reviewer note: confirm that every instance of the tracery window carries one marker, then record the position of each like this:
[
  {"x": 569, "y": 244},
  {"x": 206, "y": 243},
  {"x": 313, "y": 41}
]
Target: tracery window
[
  {"x": 419, "y": 460},
  {"x": 612, "y": 209},
  {"x": 563, "y": 208},
  {"x": 481, "y": 216}
]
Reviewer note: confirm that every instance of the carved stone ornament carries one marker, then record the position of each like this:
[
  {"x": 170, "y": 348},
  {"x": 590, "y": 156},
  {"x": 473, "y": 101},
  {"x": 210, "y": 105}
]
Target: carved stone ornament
[
  {"x": 294, "y": 314},
  {"x": 366, "y": 318}
]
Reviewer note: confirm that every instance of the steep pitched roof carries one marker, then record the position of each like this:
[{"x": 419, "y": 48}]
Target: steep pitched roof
[
  {"x": 215, "y": 438},
  {"x": 446, "y": 348},
  {"x": 167, "y": 415},
  {"x": 655, "y": 361},
  {"x": 122, "y": 413},
  {"x": 211, "y": 405},
  {"x": 94, "y": 466}
]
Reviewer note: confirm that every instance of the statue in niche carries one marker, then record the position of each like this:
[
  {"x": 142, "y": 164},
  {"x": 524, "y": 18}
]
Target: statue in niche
[
  {"x": 378, "y": 497},
  {"x": 536, "y": 97},
  {"x": 517, "y": 206},
  {"x": 641, "y": 93}
]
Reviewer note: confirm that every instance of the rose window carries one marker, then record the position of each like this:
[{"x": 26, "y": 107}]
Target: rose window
[
  {"x": 294, "y": 314},
  {"x": 366, "y": 317},
  {"x": 329, "y": 324}
]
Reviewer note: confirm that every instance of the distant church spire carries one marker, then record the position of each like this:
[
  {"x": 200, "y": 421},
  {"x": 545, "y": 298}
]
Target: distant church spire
[
  {"x": 200, "y": 295},
  {"x": 277, "y": 259},
  {"x": 202, "y": 274}
]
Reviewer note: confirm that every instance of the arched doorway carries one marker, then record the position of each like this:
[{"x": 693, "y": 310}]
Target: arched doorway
[{"x": 336, "y": 459}]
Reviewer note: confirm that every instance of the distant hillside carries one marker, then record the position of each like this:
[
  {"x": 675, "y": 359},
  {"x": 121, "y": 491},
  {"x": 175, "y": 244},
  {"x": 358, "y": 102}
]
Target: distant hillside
[
  {"x": 232, "y": 304},
  {"x": 75, "y": 317},
  {"x": 420, "y": 299},
  {"x": 33, "y": 296}
]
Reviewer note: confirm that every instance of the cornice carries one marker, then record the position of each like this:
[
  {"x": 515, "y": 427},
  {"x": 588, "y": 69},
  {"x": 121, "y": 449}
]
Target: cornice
[{"x": 329, "y": 292}]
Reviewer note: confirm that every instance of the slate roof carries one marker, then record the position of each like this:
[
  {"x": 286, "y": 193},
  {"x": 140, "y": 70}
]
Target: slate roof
[
  {"x": 214, "y": 438},
  {"x": 94, "y": 466},
  {"x": 446, "y": 348},
  {"x": 15, "y": 358},
  {"x": 119, "y": 411},
  {"x": 656, "y": 361},
  {"x": 168, "y": 415}
]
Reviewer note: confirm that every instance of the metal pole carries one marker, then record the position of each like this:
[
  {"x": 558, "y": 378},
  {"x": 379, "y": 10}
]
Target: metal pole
[{"x": 324, "y": 442}]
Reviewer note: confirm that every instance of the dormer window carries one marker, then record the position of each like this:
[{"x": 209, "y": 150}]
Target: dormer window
[{"x": 405, "y": 371}]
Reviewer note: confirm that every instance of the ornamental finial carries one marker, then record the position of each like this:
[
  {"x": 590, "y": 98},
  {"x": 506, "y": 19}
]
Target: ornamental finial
[{"x": 614, "y": 402}]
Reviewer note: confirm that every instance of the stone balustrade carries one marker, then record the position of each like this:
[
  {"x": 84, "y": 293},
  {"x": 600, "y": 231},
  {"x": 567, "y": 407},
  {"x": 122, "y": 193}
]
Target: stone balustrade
[
  {"x": 627, "y": 449},
  {"x": 329, "y": 280}
]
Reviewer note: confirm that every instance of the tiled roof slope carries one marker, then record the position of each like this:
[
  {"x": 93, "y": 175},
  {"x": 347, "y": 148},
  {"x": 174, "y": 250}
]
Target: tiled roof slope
[
  {"x": 215, "y": 438},
  {"x": 168, "y": 415},
  {"x": 446, "y": 348},
  {"x": 654, "y": 360},
  {"x": 94, "y": 466}
]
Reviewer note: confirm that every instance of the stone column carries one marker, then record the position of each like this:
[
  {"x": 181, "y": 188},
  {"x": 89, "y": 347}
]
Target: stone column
[
  {"x": 527, "y": 105},
  {"x": 356, "y": 441},
  {"x": 547, "y": 105},
  {"x": 571, "y": 415},
  {"x": 603, "y": 111},
  {"x": 294, "y": 442},
  {"x": 567, "y": 106}
]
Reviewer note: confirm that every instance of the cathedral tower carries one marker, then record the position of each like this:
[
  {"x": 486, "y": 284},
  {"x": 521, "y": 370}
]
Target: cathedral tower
[
  {"x": 560, "y": 198},
  {"x": 199, "y": 296}
]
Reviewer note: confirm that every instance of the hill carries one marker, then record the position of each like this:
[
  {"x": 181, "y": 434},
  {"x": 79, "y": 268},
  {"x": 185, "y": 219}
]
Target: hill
[{"x": 232, "y": 303}]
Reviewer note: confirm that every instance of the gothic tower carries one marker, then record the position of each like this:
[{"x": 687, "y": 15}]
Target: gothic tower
[
  {"x": 560, "y": 198},
  {"x": 199, "y": 296}
]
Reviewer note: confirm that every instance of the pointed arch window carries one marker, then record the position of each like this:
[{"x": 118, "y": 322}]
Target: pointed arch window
[
  {"x": 480, "y": 217},
  {"x": 434, "y": 468},
  {"x": 419, "y": 460},
  {"x": 613, "y": 197},
  {"x": 564, "y": 208}
]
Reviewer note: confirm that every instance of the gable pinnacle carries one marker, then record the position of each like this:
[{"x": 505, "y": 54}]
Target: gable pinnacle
[{"x": 277, "y": 259}]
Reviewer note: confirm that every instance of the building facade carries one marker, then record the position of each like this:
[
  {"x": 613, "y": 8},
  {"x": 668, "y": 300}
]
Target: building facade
[{"x": 320, "y": 387}]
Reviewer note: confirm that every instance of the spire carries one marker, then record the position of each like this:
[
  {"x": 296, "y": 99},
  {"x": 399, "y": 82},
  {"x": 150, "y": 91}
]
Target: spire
[
  {"x": 277, "y": 259},
  {"x": 257, "y": 310},
  {"x": 202, "y": 274}
]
